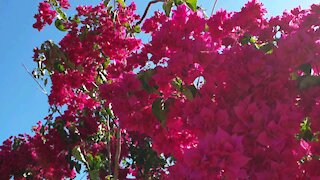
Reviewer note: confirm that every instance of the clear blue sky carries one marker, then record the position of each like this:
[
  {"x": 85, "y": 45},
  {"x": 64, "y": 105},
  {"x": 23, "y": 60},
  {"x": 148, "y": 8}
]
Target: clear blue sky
[{"x": 22, "y": 103}]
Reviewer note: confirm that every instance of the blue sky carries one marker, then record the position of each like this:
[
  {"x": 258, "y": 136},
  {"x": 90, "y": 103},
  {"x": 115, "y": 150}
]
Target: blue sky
[{"x": 22, "y": 103}]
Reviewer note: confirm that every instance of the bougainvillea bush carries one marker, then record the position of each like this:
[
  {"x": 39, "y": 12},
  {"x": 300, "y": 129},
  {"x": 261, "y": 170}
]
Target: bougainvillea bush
[{"x": 230, "y": 96}]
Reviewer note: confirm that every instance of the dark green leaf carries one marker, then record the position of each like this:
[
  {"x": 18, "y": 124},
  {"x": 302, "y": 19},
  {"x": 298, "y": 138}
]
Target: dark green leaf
[
  {"x": 167, "y": 6},
  {"x": 145, "y": 77},
  {"x": 193, "y": 90},
  {"x": 245, "y": 39},
  {"x": 307, "y": 81},
  {"x": 306, "y": 68},
  {"x": 178, "y": 2},
  {"x": 190, "y": 92},
  {"x": 59, "y": 25},
  {"x": 267, "y": 48},
  {"x": 94, "y": 175},
  {"x": 158, "y": 110},
  {"x": 109, "y": 112},
  {"x": 96, "y": 163},
  {"x": 59, "y": 67}
]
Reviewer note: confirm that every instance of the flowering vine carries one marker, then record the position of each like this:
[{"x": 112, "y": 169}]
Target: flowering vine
[{"x": 230, "y": 96}]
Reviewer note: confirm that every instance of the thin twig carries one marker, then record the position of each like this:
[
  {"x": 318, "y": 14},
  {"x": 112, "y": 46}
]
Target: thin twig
[
  {"x": 82, "y": 177},
  {"x": 40, "y": 86},
  {"x": 57, "y": 110},
  {"x": 147, "y": 9},
  {"x": 214, "y": 6},
  {"x": 118, "y": 152},
  {"x": 108, "y": 145}
]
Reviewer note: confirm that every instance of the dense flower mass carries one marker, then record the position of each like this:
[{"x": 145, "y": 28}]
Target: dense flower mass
[
  {"x": 45, "y": 15},
  {"x": 231, "y": 96}
]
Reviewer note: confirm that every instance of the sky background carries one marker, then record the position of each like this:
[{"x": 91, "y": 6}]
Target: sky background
[{"x": 22, "y": 103}]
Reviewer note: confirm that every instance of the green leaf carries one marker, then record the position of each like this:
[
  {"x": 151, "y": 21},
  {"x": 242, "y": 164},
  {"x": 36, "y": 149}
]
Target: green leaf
[
  {"x": 122, "y": 3},
  {"x": 76, "y": 19},
  {"x": 305, "y": 125},
  {"x": 106, "y": 3},
  {"x": 192, "y": 4},
  {"x": 159, "y": 111},
  {"x": 177, "y": 83},
  {"x": 54, "y": 2},
  {"x": 253, "y": 40},
  {"x": 137, "y": 29},
  {"x": 294, "y": 76},
  {"x": 306, "y": 68},
  {"x": 127, "y": 25},
  {"x": 61, "y": 14},
  {"x": 59, "y": 67},
  {"x": 178, "y": 2},
  {"x": 307, "y": 81},
  {"x": 190, "y": 92},
  {"x": 94, "y": 175},
  {"x": 106, "y": 63},
  {"x": 245, "y": 39},
  {"x": 59, "y": 25},
  {"x": 145, "y": 77},
  {"x": 109, "y": 112},
  {"x": 90, "y": 160},
  {"x": 267, "y": 48},
  {"x": 76, "y": 152},
  {"x": 306, "y": 131},
  {"x": 98, "y": 80},
  {"x": 167, "y": 6}
]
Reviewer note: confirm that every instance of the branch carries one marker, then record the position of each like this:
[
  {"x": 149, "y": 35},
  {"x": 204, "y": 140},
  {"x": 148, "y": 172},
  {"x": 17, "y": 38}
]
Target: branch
[
  {"x": 40, "y": 86},
  {"x": 108, "y": 146},
  {"x": 214, "y": 5},
  {"x": 147, "y": 9},
  {"x": 117, "y": 156}
]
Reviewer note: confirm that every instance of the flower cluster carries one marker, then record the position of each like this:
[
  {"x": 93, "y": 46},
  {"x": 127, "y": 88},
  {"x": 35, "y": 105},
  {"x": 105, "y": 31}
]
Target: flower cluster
[
  {"x": 231, "y": 96},
  {"x": 45, "y": 15}
]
